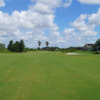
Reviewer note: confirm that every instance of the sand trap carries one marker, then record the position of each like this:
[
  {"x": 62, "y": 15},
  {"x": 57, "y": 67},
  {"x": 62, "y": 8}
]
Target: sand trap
[{"x": 73, "y": 54}]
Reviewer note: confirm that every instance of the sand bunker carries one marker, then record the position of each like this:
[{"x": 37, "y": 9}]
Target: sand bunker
[{"x": 73, "y": 54}]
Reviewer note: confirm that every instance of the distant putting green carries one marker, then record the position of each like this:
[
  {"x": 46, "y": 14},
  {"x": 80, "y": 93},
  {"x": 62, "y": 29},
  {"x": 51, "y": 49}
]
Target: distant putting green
[{"x": 49, "y": 76}]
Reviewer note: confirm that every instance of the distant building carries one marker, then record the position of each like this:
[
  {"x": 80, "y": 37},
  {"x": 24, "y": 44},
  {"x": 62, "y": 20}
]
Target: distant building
[{"x": 88, "y": 47}]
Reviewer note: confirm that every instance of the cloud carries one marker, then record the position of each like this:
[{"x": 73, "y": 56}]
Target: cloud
[
  {"x": 45, "y": 8},
  {"x": 95, "y": 18},
  {"x": 81, "y": 31},
  {"x": 81, "y": 25},
  {"x": 89, "y": 1},
  {"x": 37, "y": 23},
  {"x": 68, "y": 31},
  {"x": 2, "y": 3},
  {"x": 31, "y": 24},
  {"x": 54, "y": 3},
  {"x": 67, "y": 3},
  {"x": 85, "y": 28}
]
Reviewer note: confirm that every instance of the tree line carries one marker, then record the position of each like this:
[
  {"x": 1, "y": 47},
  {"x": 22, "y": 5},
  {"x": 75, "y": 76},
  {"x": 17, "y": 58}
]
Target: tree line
[{"x": 18, "y": 46}]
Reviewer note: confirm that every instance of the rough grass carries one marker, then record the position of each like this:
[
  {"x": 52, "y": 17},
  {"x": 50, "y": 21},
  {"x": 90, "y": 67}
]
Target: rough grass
[{"x": 49, "y": 76}]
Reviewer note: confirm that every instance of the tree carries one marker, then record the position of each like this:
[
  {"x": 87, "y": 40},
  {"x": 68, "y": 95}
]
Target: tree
[
  {"x": 39, "y": 43},
  {"x": 10, "y": 45},
  {"x": 96, "y": 46},
  {"x": 47, "y": 43},
  {"x": 16, "y": 46},
  {"x": 97, "y": 42},
  {"x": 21, "y": 46},
  {"x": 2, "y": 46}
]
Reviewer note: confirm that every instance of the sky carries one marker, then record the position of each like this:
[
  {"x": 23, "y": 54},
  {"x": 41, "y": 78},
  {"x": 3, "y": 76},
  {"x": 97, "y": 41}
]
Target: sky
[{"x": 64, "y": 23}]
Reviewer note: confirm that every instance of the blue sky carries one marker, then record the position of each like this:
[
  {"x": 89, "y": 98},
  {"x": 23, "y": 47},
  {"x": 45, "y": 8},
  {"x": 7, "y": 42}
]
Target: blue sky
[{"x": 63, "y": 23}]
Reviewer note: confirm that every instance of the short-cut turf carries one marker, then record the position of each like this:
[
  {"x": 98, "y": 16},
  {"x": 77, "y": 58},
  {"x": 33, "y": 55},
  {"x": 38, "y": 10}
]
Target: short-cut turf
[{"x": 49, "y": 76}]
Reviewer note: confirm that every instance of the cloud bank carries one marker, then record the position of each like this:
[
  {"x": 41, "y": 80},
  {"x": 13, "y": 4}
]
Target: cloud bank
[
  {"x": 31, "y": 25},
  {"x": 37, "y": 23}
]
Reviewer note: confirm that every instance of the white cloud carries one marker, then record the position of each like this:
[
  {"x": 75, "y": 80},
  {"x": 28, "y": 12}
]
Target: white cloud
[
  {"x": 89, "y": 33},
  {"x": 68, "y": 31},
  {"x": 67, "y": 3},
  {"x": 89, "y": 1},
  {"x": 82, "y": 32},
  {"x": 83, "y": 27},
  {"x": 95, "y": 18},
  {"x": 54, "y": 3},
  {"x": 45, "y": 8},
  {"x": 2, "y": 3},
  {"x": 31, "y": 24}
]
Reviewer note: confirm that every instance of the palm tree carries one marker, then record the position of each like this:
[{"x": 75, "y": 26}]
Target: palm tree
[
  {"x": 47, "y": 43},
  {"x": 39, "y": 43}
]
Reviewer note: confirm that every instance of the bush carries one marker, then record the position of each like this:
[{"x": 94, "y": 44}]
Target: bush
[
  {"x": 4, "y": 51},
  {"x": 71, "y": 49},
  {"x": 96, "y": 52},
  {"x": 30, "y": 49}
]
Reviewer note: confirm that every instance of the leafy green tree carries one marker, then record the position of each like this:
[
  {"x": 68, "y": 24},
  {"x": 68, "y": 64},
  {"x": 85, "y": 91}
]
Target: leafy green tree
[
  {"x": 10, "y": 45},
  {"x": 2, "y": 46},
  {"x": 97, "y": 42},
  {"x": 21, "y": 46},
  {"x": 96, "y": 46},
  {"x": 16, "y": 46}
]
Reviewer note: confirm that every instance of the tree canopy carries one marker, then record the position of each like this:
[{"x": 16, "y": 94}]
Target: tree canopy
[
  {"x": 17, "y": 46},
  {"x": 2, "y": 46},
  {"x": 96, "y": 46}
]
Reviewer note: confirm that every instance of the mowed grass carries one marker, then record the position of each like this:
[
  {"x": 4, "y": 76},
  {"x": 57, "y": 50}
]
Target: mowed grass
[{"x": 49, "y": 76}]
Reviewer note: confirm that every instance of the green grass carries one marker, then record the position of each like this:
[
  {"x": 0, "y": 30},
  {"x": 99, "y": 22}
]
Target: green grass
[{"x": 49, "y": 76}]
